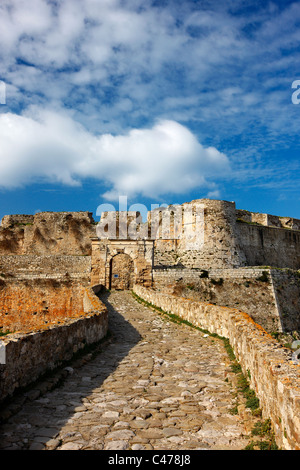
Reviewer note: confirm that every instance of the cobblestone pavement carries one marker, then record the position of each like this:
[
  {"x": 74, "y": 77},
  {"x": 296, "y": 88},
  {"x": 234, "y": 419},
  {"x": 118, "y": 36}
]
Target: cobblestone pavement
[{"x": 155, "y": 385}]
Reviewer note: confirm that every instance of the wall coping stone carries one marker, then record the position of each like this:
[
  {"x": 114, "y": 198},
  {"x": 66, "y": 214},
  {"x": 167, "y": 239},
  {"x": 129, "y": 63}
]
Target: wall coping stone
[{"x": 275, "y": 378}]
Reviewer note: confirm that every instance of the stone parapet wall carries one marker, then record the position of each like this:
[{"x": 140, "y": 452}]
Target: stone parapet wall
[
  {"x": 49, "y": 266},
  {"x": 31, "y": 354},
  {"x": 177, "y": 272},
  {"x": 268, "y": 219},
  {"x": 273, "y": 375},
  {"x": 17, "y": 219}
]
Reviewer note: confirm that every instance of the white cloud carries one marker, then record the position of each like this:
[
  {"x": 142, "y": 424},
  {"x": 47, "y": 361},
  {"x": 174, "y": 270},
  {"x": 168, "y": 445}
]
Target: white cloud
[
  {"x": 164, "y": 159},
  {"x": 120, "y": 63}
]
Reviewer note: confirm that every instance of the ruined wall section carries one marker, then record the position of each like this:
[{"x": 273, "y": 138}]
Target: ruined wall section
[
  {"x": 45, "y": 233},
  {"x": 270, "y": 296},
  {"x": 27, "y": 305},
  {"x": 246, "y": 289},
  {"x": 58, "y": 267},
  {"x": 268, "y": 220},
  {"x": 34, "y": 350}
]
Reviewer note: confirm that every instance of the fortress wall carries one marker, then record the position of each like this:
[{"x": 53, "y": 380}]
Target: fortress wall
[
  {"x": 268, "y": 219},
  {"x": 64, "y": 233},
  {"x": 27, "y": 305},
  {"x": 17, "y": 219},
  {"x": 49, "y": 266},
  {"x": 269, "y": 246},
  {"x": 230, "y": 238},
  {"x": 286, "y": 284},
  {"x": 270, "y": 296},
  {"x": 274, "y": 377},
  {"x": 30, "y": 354},
  {"x": 247, "y": 289}
]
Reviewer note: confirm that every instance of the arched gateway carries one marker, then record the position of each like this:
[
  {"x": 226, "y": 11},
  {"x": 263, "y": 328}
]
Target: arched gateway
[
  {"x": 119, "y": 264},
  {"x": 121, "y": 272}
]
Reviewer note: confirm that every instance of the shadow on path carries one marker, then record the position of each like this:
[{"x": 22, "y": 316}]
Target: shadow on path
[{"x": 41, "y": 419}]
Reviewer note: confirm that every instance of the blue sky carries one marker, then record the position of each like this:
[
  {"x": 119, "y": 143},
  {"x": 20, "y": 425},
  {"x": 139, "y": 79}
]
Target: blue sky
[{"x": 161, "y": 101}]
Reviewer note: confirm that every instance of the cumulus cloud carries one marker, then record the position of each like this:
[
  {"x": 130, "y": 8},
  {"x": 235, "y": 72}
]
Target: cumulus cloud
[
  {"x": 168, "y": 59},
  {"x": 120, "y": 65},
  {"x": 46, "y": 146}
]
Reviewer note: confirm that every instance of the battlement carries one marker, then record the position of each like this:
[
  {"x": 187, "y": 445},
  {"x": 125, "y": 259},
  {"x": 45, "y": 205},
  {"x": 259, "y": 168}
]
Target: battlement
[{"x": 268, "y": 220}]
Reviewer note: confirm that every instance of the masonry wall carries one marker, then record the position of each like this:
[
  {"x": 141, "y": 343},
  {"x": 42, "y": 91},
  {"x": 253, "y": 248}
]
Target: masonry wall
[
  {"x": 27, "y": 305},
  {"x": 273, "y": 375},
  {"x": 270, "y": 296},
  {"x": 30, "y": 354},
  {"x": 140, "y": 253},
  {"x": 269, "y": 246},
  {"x": 46, "y": 266},
  {"x": 286, "y": 285},
  {"x": 249, "y": 290},
  {"x": 63, "y": 233},
  {"x": 229, "y": 238}
]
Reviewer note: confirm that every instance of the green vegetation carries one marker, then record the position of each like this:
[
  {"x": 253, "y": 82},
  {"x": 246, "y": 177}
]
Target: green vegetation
[
  {"x": 266, "y": 441},
  {"x": 242, "y": 221},
  {"x": 190, "y": 286},
  {"x": 4, "y": 333}
]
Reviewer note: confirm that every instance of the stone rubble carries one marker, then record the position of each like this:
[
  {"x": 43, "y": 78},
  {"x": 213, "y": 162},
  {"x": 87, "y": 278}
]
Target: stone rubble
[{"x": 155, "y": 385}]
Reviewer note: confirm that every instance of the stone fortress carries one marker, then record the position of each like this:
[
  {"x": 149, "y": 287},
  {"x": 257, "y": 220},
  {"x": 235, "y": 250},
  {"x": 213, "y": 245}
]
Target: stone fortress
[
  {"x": 209, "y": 251},
  {"x": 204, "y": 252}
]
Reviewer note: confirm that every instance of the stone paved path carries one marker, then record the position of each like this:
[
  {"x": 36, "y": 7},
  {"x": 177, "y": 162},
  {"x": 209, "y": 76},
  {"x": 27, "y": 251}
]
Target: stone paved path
[{"x": 156, "y": 385}]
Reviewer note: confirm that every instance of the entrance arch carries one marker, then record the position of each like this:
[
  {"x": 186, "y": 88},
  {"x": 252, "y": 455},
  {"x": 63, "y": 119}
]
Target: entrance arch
[{"x": 121, "y": 272}]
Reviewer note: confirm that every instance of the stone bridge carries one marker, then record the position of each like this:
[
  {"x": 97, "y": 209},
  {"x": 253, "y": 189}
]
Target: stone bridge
[{"x": 152, "y": 384}]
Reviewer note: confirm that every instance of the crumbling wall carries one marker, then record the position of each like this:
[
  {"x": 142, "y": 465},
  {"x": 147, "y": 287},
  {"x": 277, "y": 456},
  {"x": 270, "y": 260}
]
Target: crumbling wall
[
  {"x": 30, "y": 354},
  {"x": 44, "y": 267},
  {"x": 28, "y": 305},
  {"x": 247, "y": 289},
  {"x": 270, "y": 296},
  {"x": 64, "y": 233}
]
